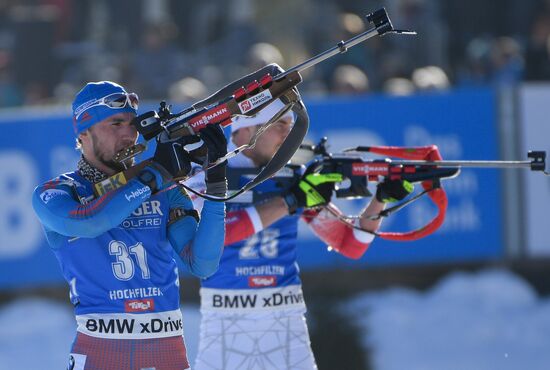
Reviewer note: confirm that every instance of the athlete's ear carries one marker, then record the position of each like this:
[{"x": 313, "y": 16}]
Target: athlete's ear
[{"x": 82, "y": 136}]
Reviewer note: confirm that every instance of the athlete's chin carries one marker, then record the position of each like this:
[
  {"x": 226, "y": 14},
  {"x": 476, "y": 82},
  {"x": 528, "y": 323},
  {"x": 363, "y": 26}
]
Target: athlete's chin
[
  {"x": 264, "y": 160},
  {"x": 276, "y": 148},
  {"x": 114, "y": 165}
]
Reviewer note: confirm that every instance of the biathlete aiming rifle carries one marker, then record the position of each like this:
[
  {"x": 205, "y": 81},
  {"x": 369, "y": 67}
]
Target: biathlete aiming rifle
[
  {"x": 422, "y": 165},
  {"x": 244, "y": 97}
]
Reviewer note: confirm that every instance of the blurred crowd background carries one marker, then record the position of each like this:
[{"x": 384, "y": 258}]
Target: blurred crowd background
[{"x": 183, "y": 50}]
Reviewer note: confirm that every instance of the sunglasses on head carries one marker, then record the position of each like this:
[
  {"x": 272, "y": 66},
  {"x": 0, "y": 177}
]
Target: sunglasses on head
[{"x": 113, "y": 101}]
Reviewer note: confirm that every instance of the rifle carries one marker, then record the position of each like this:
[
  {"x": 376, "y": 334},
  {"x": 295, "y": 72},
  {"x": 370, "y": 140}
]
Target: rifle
[
  {"x": 422, "y": 165},
  {"x": 244, "y": 97}
]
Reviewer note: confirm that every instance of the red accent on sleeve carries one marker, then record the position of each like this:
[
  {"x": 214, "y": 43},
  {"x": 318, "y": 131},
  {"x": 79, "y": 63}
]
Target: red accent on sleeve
[
  {"x": 92, "y": 208},
  {"x": 350, "y": 246},
  {"x": 336, "y": 234},
  {"x": 238, "y": 226},
  {"x": 309, "y": 215}
]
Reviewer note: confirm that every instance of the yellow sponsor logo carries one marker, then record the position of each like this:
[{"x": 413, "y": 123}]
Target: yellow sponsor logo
[{"x": 112, "y": 183}]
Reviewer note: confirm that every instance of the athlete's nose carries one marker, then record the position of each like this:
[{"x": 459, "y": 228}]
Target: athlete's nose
[{"x": 128, "y": 131}]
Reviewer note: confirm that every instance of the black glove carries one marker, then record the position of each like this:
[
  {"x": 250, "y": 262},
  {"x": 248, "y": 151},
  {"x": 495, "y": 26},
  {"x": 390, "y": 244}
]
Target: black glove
[
  {"x": 153, "y": 176},
  {"x": 393, "y": 190},
  {"x": 311, "y": 190},
  {"x": 170, "y": 160},
  {"x": 216, "y": 144},
  {"x": 171, "y": 155}
]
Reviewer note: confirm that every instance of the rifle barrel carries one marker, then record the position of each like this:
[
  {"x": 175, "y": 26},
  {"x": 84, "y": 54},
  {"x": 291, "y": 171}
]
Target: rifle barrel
[
  {"x": 473, "y": 164},
  {"x": 338, "y": 49}
]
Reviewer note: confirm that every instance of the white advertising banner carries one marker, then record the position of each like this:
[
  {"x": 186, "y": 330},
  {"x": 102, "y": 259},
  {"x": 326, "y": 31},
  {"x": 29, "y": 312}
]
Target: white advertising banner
[{"x": 535, "y": 135}]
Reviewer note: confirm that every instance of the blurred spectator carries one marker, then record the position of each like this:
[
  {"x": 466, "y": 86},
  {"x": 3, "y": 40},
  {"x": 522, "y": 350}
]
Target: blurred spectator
[
  {"x": 213, "y": 77},
  {"x": 217, "y": 32},
  {"x": 314, "y": 86},
  {"x": 538, "y": 50},
  {"x": 349, "y": 80},
  {"x": 393, "y": 63},
  {"x": 10, "y": 94},
  {"x": 151, "y": 45},
  {"x": 362, "y": 56},
  {"x": 476, "y": 69},
  {"x": 262, "y": 54},
  {"x": 157, "y": 63},
  {"x": 34, "y": 26},
  {"x": 398, "y": 86},
  {"x": 506, "y": 62},
  {"x": 492, "y": 61},
  {"x": 187, "y": 90},
  {"x": 430, "y": 78},
  {"x": 36, "y": 93},
  {"x": 424, "y": 17},
  {"x": 64, "y": 93}
]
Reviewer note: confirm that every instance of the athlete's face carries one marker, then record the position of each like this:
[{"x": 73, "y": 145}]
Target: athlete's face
[
  {"x": 270, "y": 141},
  {"x": 103, "y": 140}
]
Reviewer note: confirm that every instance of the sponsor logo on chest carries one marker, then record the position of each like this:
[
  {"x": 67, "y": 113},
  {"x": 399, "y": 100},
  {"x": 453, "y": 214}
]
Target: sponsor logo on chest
[
  {"x": 145, "y": 325},
  {"x": 146, "y": 208},
  {"x": 252, "y": 300},
  {"x": 148, "y": 215},
  {"x": 136, "y": 193},
  {"x": 137, "y": 305},
  {"x": 48, "y": 195},
  {"x": 261, "y": 281},
  {"x": 260, "y": 270}
]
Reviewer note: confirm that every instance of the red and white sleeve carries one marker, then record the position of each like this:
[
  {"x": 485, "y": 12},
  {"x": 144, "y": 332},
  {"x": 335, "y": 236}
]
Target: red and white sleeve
[
  {"x": 241, "y": 224},
  {"x": 350, "y": 242}
]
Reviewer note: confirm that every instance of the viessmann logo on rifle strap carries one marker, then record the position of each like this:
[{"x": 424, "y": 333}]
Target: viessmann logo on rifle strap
[
  {"x": 364, "y": 169},
  {"x": 215, "y": 115}
]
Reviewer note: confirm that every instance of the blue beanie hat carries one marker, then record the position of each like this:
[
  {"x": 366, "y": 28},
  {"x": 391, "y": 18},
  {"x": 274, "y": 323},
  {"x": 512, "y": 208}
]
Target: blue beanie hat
[{"x": 89, "y": 96}]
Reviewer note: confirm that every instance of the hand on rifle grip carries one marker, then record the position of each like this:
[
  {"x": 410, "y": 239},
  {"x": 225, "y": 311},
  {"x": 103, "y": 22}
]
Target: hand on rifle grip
[
  {"x": 311, "y": 190},
  {"x": 393, "y": 190},
  {"x": 216, "y": 144},
  {"x": 171, "y": 155}
]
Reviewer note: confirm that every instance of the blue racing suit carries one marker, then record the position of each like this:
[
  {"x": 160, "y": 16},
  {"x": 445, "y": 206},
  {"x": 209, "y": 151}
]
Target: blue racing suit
[{"x": 117, "y": 254}]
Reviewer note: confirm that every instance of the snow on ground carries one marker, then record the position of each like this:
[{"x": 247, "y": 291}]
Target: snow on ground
[
  {"x": 490, "y": 320},
  {"x": 475, "y": 321}
]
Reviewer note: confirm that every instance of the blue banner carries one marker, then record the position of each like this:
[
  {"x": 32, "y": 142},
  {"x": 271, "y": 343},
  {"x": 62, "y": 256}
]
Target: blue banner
[
  {"x": 463, "y": 125},
  {"x": 37, "y": 145}
]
